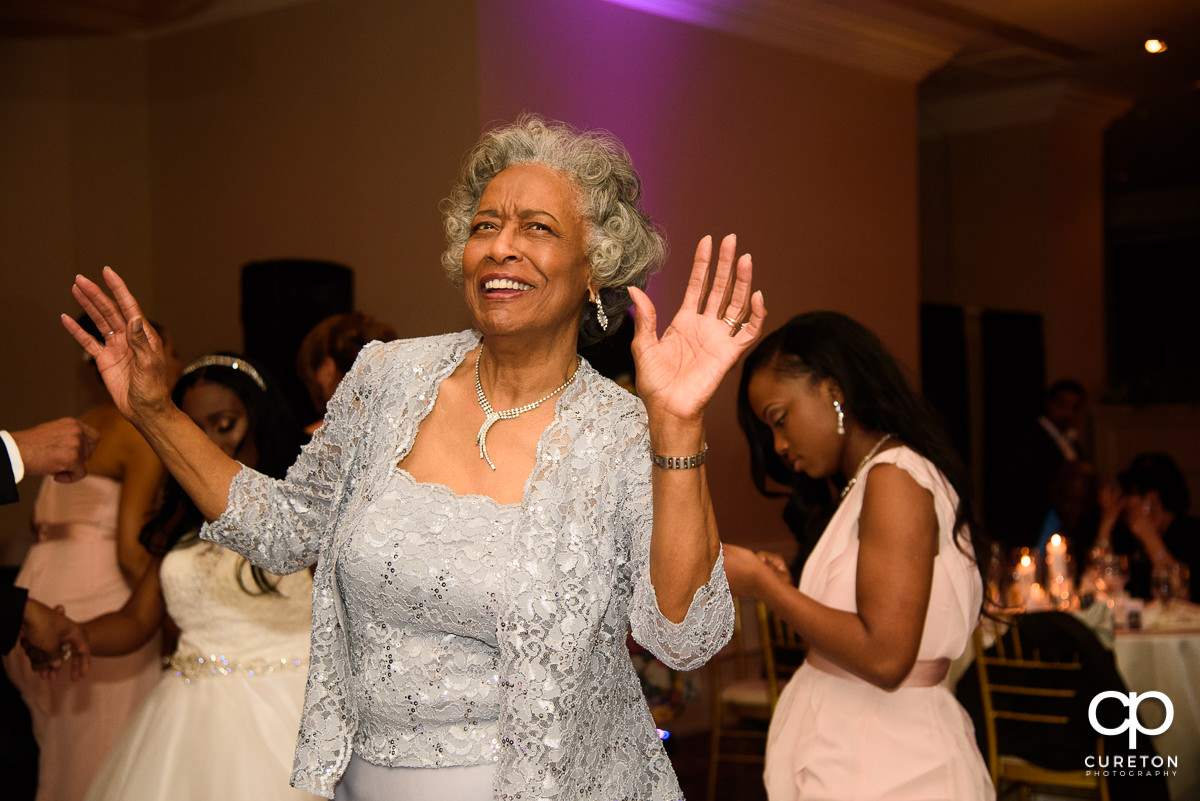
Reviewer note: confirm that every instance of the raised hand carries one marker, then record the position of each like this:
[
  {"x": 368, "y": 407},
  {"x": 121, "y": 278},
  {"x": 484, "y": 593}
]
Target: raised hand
[
  {"x": 131, "y": 358},
  {"x": 678, "y": 373}
]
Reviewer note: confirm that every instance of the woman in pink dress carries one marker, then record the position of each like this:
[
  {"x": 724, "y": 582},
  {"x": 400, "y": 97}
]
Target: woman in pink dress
[
  {"x": 86, "y": 559},
  {"x": 890, "y": 593}
]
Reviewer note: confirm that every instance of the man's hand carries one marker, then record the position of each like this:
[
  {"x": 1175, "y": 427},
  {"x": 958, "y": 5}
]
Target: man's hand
[{"x": 59, "y": 448}]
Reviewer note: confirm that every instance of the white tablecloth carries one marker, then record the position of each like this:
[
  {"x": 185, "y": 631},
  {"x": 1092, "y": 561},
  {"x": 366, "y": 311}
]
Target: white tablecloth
[{"x": 1168, "y": 661}]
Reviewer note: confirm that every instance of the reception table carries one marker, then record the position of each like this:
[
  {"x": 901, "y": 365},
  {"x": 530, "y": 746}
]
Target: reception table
[{"x": 1165, "y": 656}]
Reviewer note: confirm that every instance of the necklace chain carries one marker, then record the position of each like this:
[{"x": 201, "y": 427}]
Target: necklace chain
[
  {"x": 491, "y": 416},
  {"x": 854, "y": 478}
]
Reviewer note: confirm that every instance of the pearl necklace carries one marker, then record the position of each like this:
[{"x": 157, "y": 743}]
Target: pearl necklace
[
  {"x": 854, "y": 478},
  {"x": 491, "y": 416}
]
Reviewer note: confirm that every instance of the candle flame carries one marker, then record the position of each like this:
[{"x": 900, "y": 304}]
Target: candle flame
[
  {"x": 1026, "y": 561},
  {"x": 1056, "y": 540}
]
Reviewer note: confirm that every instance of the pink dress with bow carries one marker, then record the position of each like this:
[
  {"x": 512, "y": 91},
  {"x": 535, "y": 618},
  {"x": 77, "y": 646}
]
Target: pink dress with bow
[{"x": 74, "y": 564}]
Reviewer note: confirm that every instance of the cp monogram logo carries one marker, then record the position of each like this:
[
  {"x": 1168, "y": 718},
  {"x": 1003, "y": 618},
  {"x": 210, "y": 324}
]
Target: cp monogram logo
[{"x": 1132, "y": 700}]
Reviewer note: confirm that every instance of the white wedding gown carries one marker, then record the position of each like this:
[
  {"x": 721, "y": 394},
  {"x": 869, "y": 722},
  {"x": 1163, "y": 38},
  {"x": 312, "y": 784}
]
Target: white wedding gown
[{"x": 222, "y": 720}]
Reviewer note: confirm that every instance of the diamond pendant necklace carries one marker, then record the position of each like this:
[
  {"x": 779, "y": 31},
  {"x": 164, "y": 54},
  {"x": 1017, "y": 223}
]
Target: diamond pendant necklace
[
  {"x": 854, "y": 478},
  {"x": 491, "y": 416}
]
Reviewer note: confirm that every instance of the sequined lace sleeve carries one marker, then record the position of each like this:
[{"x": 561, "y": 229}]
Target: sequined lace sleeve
[
  {"x": 708, "y": 624},
  {"x": 280, "y": 525}
]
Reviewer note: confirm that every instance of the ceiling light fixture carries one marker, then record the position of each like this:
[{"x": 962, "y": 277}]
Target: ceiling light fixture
[{"x": 1156, "y": 46}]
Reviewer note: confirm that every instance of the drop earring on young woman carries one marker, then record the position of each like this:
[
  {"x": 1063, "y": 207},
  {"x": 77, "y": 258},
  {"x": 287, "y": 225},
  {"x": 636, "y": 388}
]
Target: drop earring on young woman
[{"x": 837, "y": 407}]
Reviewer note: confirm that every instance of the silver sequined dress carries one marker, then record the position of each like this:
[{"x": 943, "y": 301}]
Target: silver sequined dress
[{"x": 571, "y": 581}]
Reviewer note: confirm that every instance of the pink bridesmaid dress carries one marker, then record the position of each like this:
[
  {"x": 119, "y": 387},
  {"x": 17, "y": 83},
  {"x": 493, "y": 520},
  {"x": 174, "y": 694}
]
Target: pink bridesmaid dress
[
  {"x": 835, "y": 737},
  {"x": 74, "y": 564}
]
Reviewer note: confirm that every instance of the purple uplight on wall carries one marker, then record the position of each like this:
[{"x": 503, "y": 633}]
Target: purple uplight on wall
[
  {"x": 698, "y": 11},
  {"x": 631, "y": 67}
]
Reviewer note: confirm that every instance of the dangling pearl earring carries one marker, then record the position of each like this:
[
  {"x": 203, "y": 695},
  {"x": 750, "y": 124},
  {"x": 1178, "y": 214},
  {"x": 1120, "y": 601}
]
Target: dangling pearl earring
[
  {"x": 601, "y": 317},
  {"x": 837, "y": 407}
]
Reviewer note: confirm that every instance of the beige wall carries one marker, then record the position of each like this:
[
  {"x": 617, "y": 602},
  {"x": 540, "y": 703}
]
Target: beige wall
[
  {"x": 74, "y": 196},
  {"x": 324, "y": 130},
  {"x": 1012, "y": 216},
  {"x": 331, "y": 130}
]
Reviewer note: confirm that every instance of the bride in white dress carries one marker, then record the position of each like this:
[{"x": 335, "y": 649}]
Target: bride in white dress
[{"x": 222, "y": 721}]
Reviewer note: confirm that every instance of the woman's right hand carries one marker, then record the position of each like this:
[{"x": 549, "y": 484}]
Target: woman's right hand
[{"x": 131, "y": 358}]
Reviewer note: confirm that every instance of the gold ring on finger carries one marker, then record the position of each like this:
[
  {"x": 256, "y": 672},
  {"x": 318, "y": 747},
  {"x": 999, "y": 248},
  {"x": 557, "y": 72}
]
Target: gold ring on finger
[{"x": 734, "y": 324}]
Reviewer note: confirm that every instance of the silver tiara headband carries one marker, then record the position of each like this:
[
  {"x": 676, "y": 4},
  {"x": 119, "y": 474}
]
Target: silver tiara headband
[{"x": 232, "y": 362}]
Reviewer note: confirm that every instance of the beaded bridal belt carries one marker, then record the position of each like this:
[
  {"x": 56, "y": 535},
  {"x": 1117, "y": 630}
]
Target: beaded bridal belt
[{"x": 197, "y": 666}]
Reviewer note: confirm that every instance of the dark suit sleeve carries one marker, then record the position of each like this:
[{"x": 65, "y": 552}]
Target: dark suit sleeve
[
  {"x": 12, "y": 611},
  {"x": 8, "y": 482}
]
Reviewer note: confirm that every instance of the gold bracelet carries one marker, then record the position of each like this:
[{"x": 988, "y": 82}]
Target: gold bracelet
[{"x": 679, "y": 462}]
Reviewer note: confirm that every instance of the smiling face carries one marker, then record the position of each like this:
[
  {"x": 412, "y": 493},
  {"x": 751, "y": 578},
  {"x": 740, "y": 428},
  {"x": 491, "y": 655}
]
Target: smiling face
[
  {"x": 525, "y": 267},
  {"x": 799, "y": 413},
  {"x": 221, "y": 415}
]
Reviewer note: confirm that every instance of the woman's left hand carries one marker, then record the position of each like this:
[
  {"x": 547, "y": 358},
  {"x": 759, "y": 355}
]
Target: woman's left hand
[
  {"x": 749, "y": 572},
  {"x": 49, "y": 638},
  {"x": 678, "y": 373}
]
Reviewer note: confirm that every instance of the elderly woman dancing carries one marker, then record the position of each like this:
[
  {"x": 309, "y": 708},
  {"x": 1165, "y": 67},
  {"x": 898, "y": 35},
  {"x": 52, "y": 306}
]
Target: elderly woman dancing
[{"x": 488, "y": 514}]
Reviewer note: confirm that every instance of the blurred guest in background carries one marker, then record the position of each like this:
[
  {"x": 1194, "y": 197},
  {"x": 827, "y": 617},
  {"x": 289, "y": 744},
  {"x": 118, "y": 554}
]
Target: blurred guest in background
[
  {"x": 58, "y": 448},
  {"x": 223, "y": 727},
  {"x": 892, "y": 590},
  {"x": 1145, "y": 517},
  {"x": 87, "y": 559},
  {"x": 1074, "y": 508},
  {"x": 327, "y": 352},
  {"x": 1032, "y": 461}
]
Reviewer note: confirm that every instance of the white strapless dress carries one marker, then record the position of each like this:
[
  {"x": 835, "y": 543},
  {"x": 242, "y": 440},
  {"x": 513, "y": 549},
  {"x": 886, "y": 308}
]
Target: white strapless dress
[{"x": 222, "y": 720}]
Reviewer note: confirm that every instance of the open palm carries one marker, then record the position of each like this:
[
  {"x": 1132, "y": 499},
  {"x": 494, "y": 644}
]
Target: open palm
[
  {"x": 131, "y": 359},
  {"x": 678, "y": 373}
]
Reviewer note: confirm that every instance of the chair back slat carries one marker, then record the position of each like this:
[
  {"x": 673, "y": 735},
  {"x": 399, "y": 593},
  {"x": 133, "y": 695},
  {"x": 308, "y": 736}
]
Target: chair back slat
[
  {"x": 1035, "y": 692},
  {"x": 742, "y": 705},
  {"x": 1017, "y": 684}
]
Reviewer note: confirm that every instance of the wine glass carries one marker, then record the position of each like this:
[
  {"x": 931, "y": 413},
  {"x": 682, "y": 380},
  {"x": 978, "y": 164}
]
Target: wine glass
[
  {"x": 1165, "y": 584},
  {"x": 1112, "y": 572}
]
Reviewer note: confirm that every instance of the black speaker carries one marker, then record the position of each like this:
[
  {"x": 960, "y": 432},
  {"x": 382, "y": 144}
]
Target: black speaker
[
  {"x": 282, "y": 299},
  {"x": 1014, "y": 385},
  {"x": 944, "y": 382}
]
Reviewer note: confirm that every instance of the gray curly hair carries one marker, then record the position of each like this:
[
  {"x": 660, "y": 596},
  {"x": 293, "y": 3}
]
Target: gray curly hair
[{"x": 624, "y": 246}]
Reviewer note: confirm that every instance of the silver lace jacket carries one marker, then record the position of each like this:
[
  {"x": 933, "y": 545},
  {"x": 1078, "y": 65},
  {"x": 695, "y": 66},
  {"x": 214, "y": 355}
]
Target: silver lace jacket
[{"x": 573, "y": 721}]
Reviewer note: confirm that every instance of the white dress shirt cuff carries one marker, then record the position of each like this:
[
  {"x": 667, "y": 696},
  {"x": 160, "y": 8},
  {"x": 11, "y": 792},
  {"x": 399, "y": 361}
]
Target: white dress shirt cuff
[{"x": 14, "y": 456}]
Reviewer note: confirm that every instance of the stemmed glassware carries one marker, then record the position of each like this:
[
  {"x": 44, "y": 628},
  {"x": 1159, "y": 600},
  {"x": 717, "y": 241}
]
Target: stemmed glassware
[
  {"x": 1112, "y": 572},
  {"x": 1165, "y": 583}
]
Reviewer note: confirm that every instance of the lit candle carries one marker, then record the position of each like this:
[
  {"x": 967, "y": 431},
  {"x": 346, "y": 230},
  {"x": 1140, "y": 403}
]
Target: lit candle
[
  {"x": 1023, "y": 578},
  {"x": 1056, "y": 558}
]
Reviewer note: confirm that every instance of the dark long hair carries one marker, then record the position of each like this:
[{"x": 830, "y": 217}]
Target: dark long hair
[
  {"x": 276, "y": 436},
  {"x": 1157, "y": 471},
  {"x": 826, "y": 344}
]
